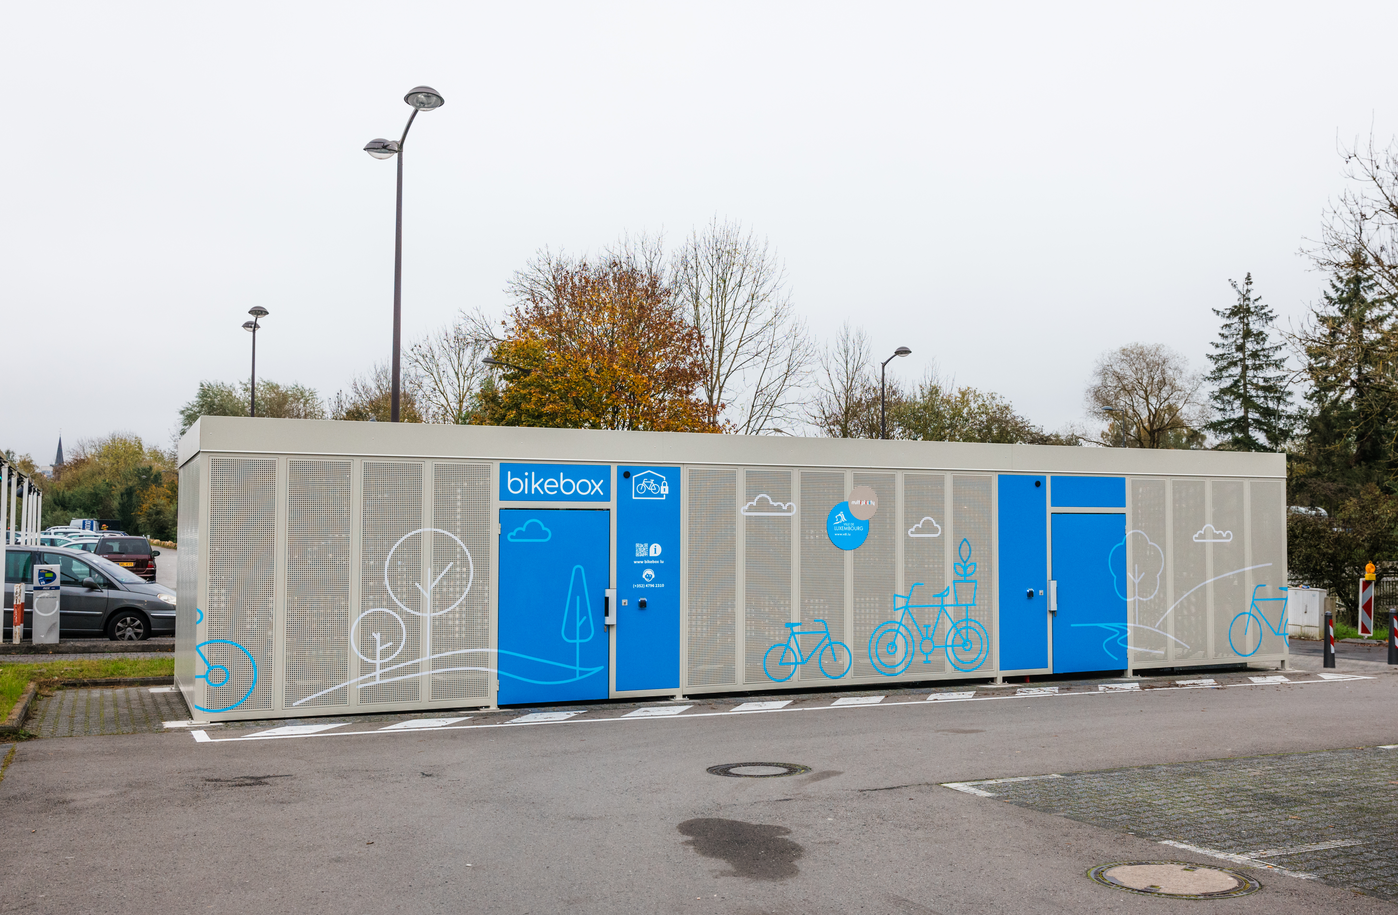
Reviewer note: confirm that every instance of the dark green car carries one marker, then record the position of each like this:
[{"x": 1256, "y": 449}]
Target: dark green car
[{"x": 96, "y": 598}]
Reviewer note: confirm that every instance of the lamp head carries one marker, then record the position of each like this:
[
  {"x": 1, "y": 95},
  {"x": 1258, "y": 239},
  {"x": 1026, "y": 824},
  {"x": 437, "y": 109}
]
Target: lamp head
[
  {"x": 257, "y": 311},
  {"x": 249, "y": 325},
  {"x": 381, "y": 148},
  {"x": 424, "y": 98},
  {"x": 902, "y": 351}
]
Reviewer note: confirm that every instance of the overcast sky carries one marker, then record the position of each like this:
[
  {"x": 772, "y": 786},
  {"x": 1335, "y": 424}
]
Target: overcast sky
[{"x": 1010, "y": 190}]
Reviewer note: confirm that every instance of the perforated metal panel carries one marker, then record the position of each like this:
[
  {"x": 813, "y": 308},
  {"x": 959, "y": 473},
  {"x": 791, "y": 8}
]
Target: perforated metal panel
[
  {"x": 461, "y": 507},
  {"x": 1266, "y": 511},
  {"x": 925, "y": 546},
  {"x": 241, "y": 582},
  {"x": 712, "y": 553},
  {"x": 1148, "y": 577},
  {"x": 1189, "y": 570},
  {"x": 387, "y": 635},
  {"x": 1231, "y": 592},
  {"x": 187, "y": 575},
  {"x": 318, "y": 575},
  {"x": 767, "y": 579},
  {"x": 876, "y": 572},
  {"x": 822, "y": 588},
  {"x": 971, "y": 521}
]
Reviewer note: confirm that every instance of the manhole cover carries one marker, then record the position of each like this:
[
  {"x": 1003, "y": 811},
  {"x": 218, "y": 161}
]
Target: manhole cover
[
  {"x": 758, "y": 770},
  {"x": 1176, "y": 879}
]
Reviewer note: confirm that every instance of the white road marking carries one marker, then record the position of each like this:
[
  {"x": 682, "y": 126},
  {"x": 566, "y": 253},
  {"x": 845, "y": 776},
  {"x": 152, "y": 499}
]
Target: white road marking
[
  {"x": 192, "y": 724},
  {"x": 1339, "y": 677},
  {"x": 1239, "y": 859},
  {"x": 1389, "y": 746},
  {"x": 541, "y": 717},
  {"x": 298, "y": 730},
  {"x": 1118, "y": 687},
  {"x": 1196, "y": 683},
  {"x": 1265, "y": 680},
  {"x": 763, "y": 706},
  {"x": 1302, "y": 849},
  {"x": 422, "y": 724},
  {"x": 975, "y": 787},
  {"x": 1037, "y": 691},
  {"x": 162, "y": 689},
  {"x": 857, "y": 700},
  {"x": 658, "y": 711},
  {"x": 201, "y": 737},
  {"x": 951, "y": 697}
]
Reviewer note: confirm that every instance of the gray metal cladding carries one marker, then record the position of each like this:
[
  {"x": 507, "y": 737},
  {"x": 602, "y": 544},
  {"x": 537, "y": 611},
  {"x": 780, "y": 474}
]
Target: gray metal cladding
[
  {"x": 318, "y": 576},
  {"x": 1226, "y": 542},
  {"x": 767, "y": 603},
  {"x": 387, "y": 636},
  {"x": 876, "y": 571},
  {"x": 971, "y": 519},
  {"x": 1267, "y": 545},
  {"x": 241, "y": 577},
  {"x": 822, "y": 564},
  {"x": 1189, "y": 569},
  {"x": 187, "y": 575},
  {"x": 712, "y": 556},
  {"x": 1147, "y": 588},
  {"x": 460, "y": 567},
  {"x": 924, "y": 548}
]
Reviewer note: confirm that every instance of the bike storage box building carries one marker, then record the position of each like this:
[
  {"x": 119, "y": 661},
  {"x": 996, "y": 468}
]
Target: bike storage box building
[{"x": 334, "y": 567}]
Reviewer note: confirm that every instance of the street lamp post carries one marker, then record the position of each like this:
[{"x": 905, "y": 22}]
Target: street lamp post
[
  {"x": 258, "y": 313},
  {"x": 422, "y": 98},
  {"x": 883, "y": 388}
]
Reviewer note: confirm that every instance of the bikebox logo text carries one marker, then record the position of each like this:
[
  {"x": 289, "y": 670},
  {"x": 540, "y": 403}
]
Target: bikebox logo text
[{"x": 554, "y": 483}]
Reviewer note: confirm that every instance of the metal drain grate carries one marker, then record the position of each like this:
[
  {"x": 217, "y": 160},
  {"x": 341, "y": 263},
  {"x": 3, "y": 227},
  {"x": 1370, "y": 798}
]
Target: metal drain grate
[
  {"x": 758, "y": 770},
  {"x": 1175, "y": 879}
]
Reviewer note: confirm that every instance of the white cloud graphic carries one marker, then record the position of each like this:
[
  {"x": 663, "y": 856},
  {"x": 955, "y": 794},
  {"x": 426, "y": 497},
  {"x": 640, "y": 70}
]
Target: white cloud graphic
[
  {"x": 1209, "y": 534},
  {"x": 532, "y": 531},
  {"x": 917, "y": 529},
  {"x": 764, "y": 505}
]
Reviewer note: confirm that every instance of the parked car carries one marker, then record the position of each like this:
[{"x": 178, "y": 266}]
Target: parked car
[
  {"x": 96, "y": 597},
  {"x": 132, "y": 553}
]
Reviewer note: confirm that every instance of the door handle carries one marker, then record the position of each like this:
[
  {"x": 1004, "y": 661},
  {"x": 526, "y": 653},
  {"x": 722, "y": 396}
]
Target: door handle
[
  {"x": 609, "y": 607},
  {"x": 1053, "y": 597}
]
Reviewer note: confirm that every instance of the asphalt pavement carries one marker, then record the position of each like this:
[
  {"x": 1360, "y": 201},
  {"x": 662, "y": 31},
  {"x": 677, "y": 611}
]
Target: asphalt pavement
[{"x": 617, "y": 813}]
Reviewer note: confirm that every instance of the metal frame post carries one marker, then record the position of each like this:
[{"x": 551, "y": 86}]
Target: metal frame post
[
  {"x": 4, "y": 503},
  {"x": 1329, "y": 639},
  {"x": 1393, "y": 636}
]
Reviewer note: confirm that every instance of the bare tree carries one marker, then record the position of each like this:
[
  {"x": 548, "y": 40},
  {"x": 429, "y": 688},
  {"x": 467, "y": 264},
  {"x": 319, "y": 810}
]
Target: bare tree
[
  {"x": 847, "y": 402},
  {"x": 448, "y": 365},
  {"x": 1150, "y": 397},
  {"x": 1365, "y": 218},
  {"x": 756, "y": 352},
  {"x": 370, "y": 395}
]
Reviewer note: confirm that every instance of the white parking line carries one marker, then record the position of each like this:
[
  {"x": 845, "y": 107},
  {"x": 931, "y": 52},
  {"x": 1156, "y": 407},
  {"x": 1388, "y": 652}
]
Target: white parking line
[
  {"x": 976, "y": 789},
  {"x": 162, "y": 689},
  {"x": 1239, "y": 859},
  {"x": 951, "y": 697},
  {"x": 542, "y": 717},
  {"x": 763, "y": 706},
  {"x": 423, "y": 724},
  {"x": 1118, "y": 687},
  {"x": 857, "y": 700},
  {"x": 1037, "y": 691},
  {"x": 1340, "y": 677},
  {"x": 1266, "y": 680},
  {"x": 1196, "y": 683},
  {"x": 658, "y": 711},
  {"x": 1302, "y": 849},
  {"x": 298, "y": 730}
]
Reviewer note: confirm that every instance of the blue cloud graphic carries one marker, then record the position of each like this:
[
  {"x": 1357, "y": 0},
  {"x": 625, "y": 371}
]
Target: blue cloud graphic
[{"x": 532, "y": 531}]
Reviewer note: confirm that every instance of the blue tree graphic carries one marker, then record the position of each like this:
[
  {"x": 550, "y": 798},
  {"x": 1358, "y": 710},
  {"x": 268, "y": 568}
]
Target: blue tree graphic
[{"x": 576, "y": 616}]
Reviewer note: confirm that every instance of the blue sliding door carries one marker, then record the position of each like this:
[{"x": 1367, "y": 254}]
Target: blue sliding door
[{"x": 1089, "y": 629}]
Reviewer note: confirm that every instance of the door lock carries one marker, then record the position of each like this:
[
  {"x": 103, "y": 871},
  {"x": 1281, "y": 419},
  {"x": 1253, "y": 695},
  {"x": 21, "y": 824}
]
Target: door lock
[{"x": 609, "y": 607}]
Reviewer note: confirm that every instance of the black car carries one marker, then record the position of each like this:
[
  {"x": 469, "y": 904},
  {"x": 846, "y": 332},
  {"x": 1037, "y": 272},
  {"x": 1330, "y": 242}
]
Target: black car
[{"x": 97, "y": 597}]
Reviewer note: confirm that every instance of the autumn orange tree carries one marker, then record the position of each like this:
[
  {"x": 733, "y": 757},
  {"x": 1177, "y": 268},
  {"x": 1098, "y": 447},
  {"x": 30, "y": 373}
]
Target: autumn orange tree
[{"x": 597, "y": 345}]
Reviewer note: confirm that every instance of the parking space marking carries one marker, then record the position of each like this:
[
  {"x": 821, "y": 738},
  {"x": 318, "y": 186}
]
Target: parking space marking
[
  {"x": 1262, "y": 681},
  {"x": 1302, "y": 849},
  {"x": 423, "y": 724},
  {"x": 658, "y": 711},
  {"x": 746, "y": 708},
  {"x": 763, "y": 706},
  {"x": 1239, "y": 859},
  {"x": 1118, "y": 687},
  {"x": 978, "y": 790},
  {"x": 1340, "y": 677},
  {"x": 162, "y": 689},
  {"x": 542, "y": 717},
  {"x": 192, "y": 724}
]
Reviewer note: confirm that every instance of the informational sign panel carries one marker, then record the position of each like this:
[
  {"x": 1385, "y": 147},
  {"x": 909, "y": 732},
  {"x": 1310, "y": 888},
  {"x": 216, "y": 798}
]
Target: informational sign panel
[
  {"x": 845, "y": 530},
  {"x": 555, "y": 483},
  {"x": 648, "y": 578},
  {"x": 44, "y": 620}
]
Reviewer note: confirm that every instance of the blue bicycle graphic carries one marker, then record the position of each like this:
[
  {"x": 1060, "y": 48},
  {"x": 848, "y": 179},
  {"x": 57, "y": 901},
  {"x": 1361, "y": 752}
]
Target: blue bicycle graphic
[
  {"x": 832, "y": 657},
  {"x": 217, "y": 675},
  {"x": 891, "y": 645},
  {"x": 1248, "y": 639}
]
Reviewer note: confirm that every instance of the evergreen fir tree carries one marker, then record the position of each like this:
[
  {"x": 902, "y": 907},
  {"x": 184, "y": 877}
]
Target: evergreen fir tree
[{"x": 1250, "y": 396}]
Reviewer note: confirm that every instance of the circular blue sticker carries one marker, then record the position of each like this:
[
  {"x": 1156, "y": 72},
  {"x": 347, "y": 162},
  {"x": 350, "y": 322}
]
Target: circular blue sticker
[{"x": 845, "y": 530}]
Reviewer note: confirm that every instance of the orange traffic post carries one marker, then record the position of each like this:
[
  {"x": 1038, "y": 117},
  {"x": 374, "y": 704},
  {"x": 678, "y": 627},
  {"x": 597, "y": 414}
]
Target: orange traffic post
[{"x": 1366, "y": 603}]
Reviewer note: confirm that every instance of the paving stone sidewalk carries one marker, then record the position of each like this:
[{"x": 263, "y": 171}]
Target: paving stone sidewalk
[
  {"x": 1332, "y": 814},
  {"x": 88, "y": 712}
]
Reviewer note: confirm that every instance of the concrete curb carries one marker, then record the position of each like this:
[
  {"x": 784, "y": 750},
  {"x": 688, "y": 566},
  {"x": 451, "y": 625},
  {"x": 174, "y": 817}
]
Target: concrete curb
[
  {"x": 14, "y": 723},
  {"x": 100, "y": 647}
]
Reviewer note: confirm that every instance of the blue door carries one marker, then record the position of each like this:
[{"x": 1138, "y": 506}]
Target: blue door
[
  {"x": 1089, "y": 629},
  {"x": 1023, "y": 573},
  {"x": 555, "y": 568},
  {"x": 648, "y": 578}
]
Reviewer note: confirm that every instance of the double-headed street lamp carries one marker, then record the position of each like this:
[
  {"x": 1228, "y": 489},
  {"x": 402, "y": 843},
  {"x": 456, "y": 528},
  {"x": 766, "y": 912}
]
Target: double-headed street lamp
[
  {"x": 258, "y": 313},
  {"x": 883, "y": 385},
  {"x": 423, "y": 98}
]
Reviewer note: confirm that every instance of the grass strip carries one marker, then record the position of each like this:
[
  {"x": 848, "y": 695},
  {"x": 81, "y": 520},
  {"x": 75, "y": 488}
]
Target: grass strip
[{"x": 15, "y": 677}]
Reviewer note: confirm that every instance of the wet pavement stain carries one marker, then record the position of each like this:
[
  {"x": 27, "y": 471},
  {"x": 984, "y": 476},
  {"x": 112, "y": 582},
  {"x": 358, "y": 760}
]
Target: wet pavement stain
[
  {"x": 244, "y": 781},
  {"x": 756, "y": 851}
]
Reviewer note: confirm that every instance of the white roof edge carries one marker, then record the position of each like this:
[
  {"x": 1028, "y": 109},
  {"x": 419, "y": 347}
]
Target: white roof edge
[{"x": 245, "y": 435}]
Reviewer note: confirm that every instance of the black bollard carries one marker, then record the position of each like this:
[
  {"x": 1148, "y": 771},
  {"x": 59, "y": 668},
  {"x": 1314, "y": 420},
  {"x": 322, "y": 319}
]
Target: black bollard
[
  {"x": 1393, "y": 636},
  {"x": 1328, "y": 638}
]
